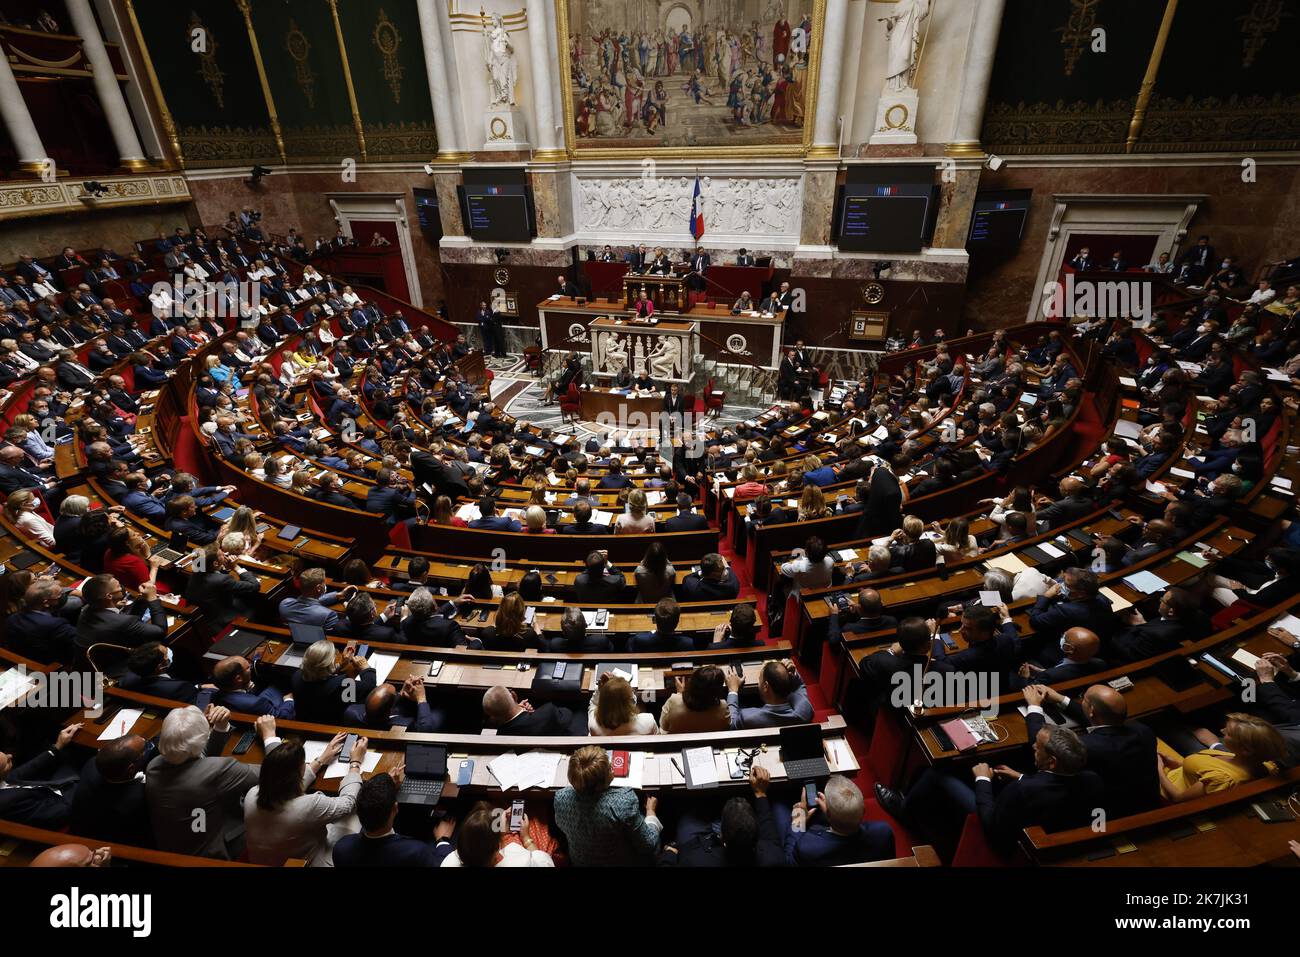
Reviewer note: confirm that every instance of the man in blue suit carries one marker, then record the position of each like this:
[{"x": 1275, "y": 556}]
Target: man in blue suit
[
  {"x": 310, "y": 605},
  {"x": 378, "y": 845},
  {"x": 389, "y": 500},
  {"x": 664, "y": 637},
  {"x": 785, "y": 699},
  {"x": 833, "y": 832},
  {"x": 489, "y": 518},
  {"x": 38, "y": 631},
  {"x": 1073, "y": 603},
  {"x": 237, "y": 690},
  {"x": 140, "y": 502}
]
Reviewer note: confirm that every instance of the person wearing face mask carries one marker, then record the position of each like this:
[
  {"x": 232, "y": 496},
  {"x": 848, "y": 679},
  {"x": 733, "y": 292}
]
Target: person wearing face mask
[
  {"x": 1078, "y": 647},
  {"x": 1196, "y": 345},
  {"x": 1073, "y": 602},
  {"x": 111, "y": 616},
  {"x": 147, "y": 672},
  {"x": 1263, "y": 584}
]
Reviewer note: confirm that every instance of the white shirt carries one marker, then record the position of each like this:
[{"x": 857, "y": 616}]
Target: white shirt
[{"x": 512, "y": 855}]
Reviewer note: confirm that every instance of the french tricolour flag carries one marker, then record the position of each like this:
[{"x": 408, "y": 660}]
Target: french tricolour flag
[{"x": 697, "y": 213}]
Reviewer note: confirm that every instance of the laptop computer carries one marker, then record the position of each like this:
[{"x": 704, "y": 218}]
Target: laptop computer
[
  {"x": 165, "y": 551},
  {"x": 802, "y": 752},
  {"x": 426, "y": 773},
  {"x": 301, "y": 637}
]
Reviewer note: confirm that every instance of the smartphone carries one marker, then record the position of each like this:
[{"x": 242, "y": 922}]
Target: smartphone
[
  {"x": 810, "y": 794},
  {"x": 245, "y": 742},
  {"x": 467, "y": 614},
  {"x": 483, "y": 615},
  {"x": 550, "y": 579},
  {"x": 363, "y": 650},
  {"x": 558, "y": 671},
  {"x": 948, "y": 641},
  {"x": 345, "y": 755},
  {"x": 465, "y": 773},
  {"x": 516, "y": 816},
  {"x": 602, "y": 618},
  {"x": 435, "y": 668}
]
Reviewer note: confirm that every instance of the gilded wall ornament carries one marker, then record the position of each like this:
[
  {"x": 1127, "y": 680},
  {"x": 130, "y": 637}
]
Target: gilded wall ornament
[
  {"x": 213, "y": 76},
  {"x": 299, "y": 49},
  {"x": 386, "y": 39},
  {"x": 1076, "y": 35}
]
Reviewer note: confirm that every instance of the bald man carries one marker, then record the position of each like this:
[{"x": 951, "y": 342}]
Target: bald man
[
  {"x": 1079, "y": 648},
  {"x": 386, "y": 708},
  {"x": 1122, "y": 752},
  {"x": 73, "y": 855},
  {"x": 1074, "y": 503}
]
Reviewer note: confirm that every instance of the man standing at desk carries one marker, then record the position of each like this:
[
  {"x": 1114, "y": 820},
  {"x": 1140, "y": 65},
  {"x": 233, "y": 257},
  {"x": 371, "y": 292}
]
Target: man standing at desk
[
  {"x": 637, "y": 257},
  {"x": 662, "y": 265},
  {"x": 699, "y": 265}
]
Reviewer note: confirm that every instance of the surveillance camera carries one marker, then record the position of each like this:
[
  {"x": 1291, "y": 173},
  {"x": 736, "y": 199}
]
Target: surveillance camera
[
  {"x": 995, "y": 163},
  {"x": 428, "y": 169}
]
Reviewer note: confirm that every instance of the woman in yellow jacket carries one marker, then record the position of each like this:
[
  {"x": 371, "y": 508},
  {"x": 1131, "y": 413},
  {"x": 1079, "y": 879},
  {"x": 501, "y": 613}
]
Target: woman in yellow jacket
[{"x": 1250, "y": 748}]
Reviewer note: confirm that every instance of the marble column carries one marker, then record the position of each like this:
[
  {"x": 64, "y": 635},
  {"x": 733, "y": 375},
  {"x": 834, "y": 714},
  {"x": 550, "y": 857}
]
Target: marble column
[
  {"x": 450, "y": 147},
  {"x": 18, "y": 121},
  {"x": 556, "y": 66},
  {"x": 981, "y": 48},
  {"x": 826, "y": 133},
  {"x": 129, "y": 151},
  {"x": 539, "y": 52},
  {"x": 956, "y": 204}
]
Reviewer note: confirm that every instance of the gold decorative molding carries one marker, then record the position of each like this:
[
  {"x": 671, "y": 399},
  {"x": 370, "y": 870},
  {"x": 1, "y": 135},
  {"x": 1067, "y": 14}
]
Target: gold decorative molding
[
  {"x": 164, "y": 114},
  {"x": 214, "y": 78},
  {"x": 1076, "y": 35},
  {"x": 964, "y": 149},
  {"x": 1149, "y": 81},
  {"x": 387, "y": 39},
  {"x": 1259, "y": 23},
  {"x": 298, "y": 47},
  {"x": 246, "y": 10},
  {"x": 347, "y": 79},
  {"x": 1060, "y": 127},
  {"x": 22, "y": 200}
]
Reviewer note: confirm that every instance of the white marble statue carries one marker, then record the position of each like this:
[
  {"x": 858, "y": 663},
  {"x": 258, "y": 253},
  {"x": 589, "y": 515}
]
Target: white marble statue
[
  {"x": 903, "y": 35},
  {"x": 666, "y": 359},
  {"x": 499, "y": 55}
]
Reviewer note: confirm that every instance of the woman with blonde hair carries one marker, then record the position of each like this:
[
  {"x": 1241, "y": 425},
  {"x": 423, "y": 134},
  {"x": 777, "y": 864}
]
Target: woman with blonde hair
[
  {"x": 635, "y": 521},
  {"x": 812, "y": 504},
  {"x": 244, "y": 521},
  {"x": 614, "y": 710},
  {"x": 443, "y": 515},
  {"x": 1250, "y": 748},
  {"x": 751, "y": 484},
  {"x": 302, "y": 483},
  {"x": 535, "y": 521},
  {"x": 508, "y": 632},
  {"x": 957, "y": 541},
  {"x": 21, "y": 509}
]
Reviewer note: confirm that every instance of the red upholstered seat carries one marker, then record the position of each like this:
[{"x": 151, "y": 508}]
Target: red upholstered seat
[
  {"x": 974, "y": 849},
  {"x": 713, "y": 403},
  {"x": 571, "y": 401}
]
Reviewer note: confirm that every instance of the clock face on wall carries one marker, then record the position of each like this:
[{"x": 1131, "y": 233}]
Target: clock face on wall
[
  {"x": 873, "y": 292},
  {"x": 502, "y": 276}
]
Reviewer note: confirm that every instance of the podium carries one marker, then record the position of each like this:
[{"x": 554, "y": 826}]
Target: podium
[{"x": 668, "y": 293}]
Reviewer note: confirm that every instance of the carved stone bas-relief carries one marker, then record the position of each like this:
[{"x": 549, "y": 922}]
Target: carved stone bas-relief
[{"x": 733, "y": 206}]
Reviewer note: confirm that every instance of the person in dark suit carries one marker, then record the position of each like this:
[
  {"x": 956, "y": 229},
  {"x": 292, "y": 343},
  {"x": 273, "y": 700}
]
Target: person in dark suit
[
  {"x": 109, "y": 616},
  {"x": 744, "y": 258},
  {"x": 1083, "y": 260},
  {"x": 1057, "y": 795},
  {"x": 146, "y": 672},
  {"x": 39, "y": 631},
  {"x": 1074, "y": 503},
  {"x": 1179, "y": 611},
  {"x": 582, "y": 523},
  {"x": 1121, "y": 752},
  {"x": 573, "y": 637},
  {"x": 565, "y": 287},
  {"x": 388, "y": 499},
  {"x": 223, "y": 592},
  {"x": 834, "y": 833},
  {"x": 674, "y": 411},
  {"x": 424, "y": 622},
  {"x": 238, "y": 690},
  {"x": 883, "y": 512},
  {"x": 685, "y": 520},
  {"x": 699, "y": 266},
  {"x": 746, "y": 835},
  {"x": 108, "y": 803},
  {"x": 489, "y": 518},
  {"x": 322, "y": 689},
  {"x": 1277, "y": 705},
  {"x": 386, "y": 708},
  {"x": 614, "y": 478},
  {"x": 503, "y": 710},
  {"x": 665, "y": 637},
  {"x": 378, "y": 845},
  {"x": 716, "y": 581},
  {"x": 601, "y": 583},
  {"x": 39, "y": 792},
  {"x": 1078, "y": 649},
  {"x": 1074, "y": 604}
]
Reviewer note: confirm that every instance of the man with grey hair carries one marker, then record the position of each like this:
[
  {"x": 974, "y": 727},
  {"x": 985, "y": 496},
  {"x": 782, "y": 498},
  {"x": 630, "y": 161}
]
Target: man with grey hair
[
  {"x": 424, "y": 622},
  {"x": 194, "y": 794},
  {"x": 876, "y": 565},
  {"x": 833, "y": 832},
  {"x": 310, "y": 605},
  {"x": 1058, "y": 794}
]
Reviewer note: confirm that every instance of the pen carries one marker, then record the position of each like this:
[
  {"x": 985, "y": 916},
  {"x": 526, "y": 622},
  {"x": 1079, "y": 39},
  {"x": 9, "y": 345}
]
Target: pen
[{"x": 678, "y": 767}]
